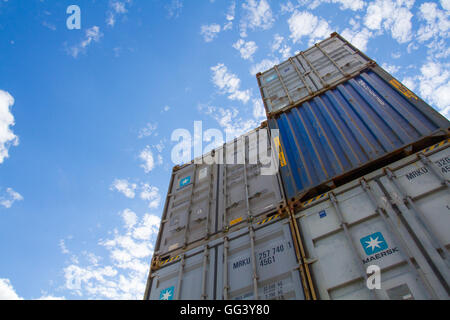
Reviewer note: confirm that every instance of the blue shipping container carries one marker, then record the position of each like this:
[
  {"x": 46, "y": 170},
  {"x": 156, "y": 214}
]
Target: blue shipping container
[{"x": 367, "y": 118}]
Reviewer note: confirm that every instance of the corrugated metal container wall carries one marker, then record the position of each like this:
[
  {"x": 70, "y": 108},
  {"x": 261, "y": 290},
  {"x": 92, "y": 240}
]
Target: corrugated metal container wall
[
  {"x": 189, "y": 276},
  {"x": 309, "y": 73},
  {"x": 190, "y": 209},
  {"x": 245, "y": 191},
  {"x": 225, "y": 268},
  {"x": 361, "y": 120},
  {"x": 396, "y": 218},
  {"x": 259, "y": 264},
  {"x": 204, "y": 200}
]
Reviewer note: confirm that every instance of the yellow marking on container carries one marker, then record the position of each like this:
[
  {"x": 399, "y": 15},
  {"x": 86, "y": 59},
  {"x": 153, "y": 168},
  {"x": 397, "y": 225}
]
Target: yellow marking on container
[
  {"x": 406, "y": 92},
  {"x": 280, "y": 151},
  {"x": 314, "y": 199},
  {"x": 269, "y": 219},
  {"x": 440, "y": 144},
  {"x": 169, "y": 260},
  {"x": 235, "y": 221}
]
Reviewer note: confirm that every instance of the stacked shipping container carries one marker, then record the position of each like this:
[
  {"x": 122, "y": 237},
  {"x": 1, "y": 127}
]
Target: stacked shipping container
[
  {"x": 361, "y": 182},
  {"x": 354, "y": 115}
]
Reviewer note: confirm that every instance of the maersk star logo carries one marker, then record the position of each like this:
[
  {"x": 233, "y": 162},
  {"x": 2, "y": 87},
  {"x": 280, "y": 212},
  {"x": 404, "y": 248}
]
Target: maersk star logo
[
  {"x": 167, "y": 294},
  {"x": 185, "y": 181},
  {"x": 374, "y": 243}
]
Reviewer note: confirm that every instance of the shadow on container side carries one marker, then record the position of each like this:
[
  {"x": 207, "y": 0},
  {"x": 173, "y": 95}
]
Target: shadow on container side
[{"x": 395, "y": 218}]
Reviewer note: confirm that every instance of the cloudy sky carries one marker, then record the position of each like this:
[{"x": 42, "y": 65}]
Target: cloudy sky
[{"x": 87, "y": 115}]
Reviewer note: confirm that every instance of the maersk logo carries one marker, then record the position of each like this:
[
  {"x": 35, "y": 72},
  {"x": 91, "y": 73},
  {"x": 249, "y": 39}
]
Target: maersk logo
[
  {"x": 185, "y": 181},
  {"x": 374, "y": 243},
  {"x": 376, "y": 247},
  {"x": 167, "y": 294}
]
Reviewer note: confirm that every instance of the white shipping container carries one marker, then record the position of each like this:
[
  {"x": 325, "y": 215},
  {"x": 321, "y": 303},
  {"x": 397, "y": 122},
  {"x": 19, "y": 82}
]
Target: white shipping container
[
  {"x": 396, "y": 218},
  {"x": 224, "y": 191},
  {"x": 190, "y": 208},
  {"x": 315, "y": 70},
  {"x": 258, "y": 262}
]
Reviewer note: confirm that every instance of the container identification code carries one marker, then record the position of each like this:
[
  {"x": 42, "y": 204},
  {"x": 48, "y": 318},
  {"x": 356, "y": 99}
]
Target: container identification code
[
  {"x": 443, "y": 164},
  {"x": 266, "y": 257}
]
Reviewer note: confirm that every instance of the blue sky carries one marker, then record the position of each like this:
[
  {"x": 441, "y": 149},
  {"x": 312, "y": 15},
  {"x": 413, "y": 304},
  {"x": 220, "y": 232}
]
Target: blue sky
[{"x": 86, "y": 116}]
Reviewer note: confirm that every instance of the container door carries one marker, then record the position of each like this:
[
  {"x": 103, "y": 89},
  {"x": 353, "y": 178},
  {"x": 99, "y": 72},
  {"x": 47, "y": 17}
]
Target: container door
[
  {"x": 190, "y": 210},
  {"x": 246, "y": 189},
  {"x": 188, "y": 277},
  {"x": 354, "y": 229},
  {"x": 419, "y": 195},
  {"x": 260, "y": 265}
]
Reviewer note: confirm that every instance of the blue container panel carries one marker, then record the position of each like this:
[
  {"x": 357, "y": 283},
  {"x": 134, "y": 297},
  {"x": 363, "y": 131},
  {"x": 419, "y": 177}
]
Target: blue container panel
[{"x": 359, "y": 121}]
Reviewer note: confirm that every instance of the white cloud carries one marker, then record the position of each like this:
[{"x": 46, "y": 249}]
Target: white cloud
[
  {"x": 287, "y": 7},
  {"x": 256, "y": 15},
  {"x": 285, "y": 52},
  {"x": 230, "y": 121},
  {"x": 305, "y": 24},
  {"x": 230, "y": 16},
  {"x": 62, "y": 245},
  {"x": 433, "y": 85},
  {"x": 79, "y": 279},
  {"x": 392, "y": 69},
  {"x": 49, "y": 25},
  {"x": 126, "y": 274},
  {"x": 409, "y": 83},
  {"x": 7, "y": 291},
  {"x": 435, "y": 29},
  {"x": 350, "y": 4},
  {"x": 229, "y": 83},
  {"x": 149, "y": 226},
  {"x": 124, "y": 187},
  {"x": 50, "y": 297},
  {"x": 246, "y": 49},
  {"x": 9, "y": 198},
  {"x": 210, "y": 32},
  {"x": 277, "y": 40},
  {"x": 258, "y": 110},
  {"x": 264, "y": 65},
  {"x": 119, "y": 7},
  {"x": 437, "y": 22},
  {"x": 146, "y": 156},
  {"x": 7, "y": 136},
  {"x": 150, "y": 194},
  {"x": 445, "y": 4},
  {"x": 279, "y": 46},
  {"x": 165, "y": 109},
  {"x": 391, "y": 15},
  {"x": 161, "y": 145},
  {"x": 359, "y": 38},
  {"x": 129, "y": 218},
  {"x": 354, "y": 5},
  {"x": 174, "y": 8},
  {"x": 149, "y": 129},
  {"x": 91, "y": 34},
  {"x": 116, "y": 7}
]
